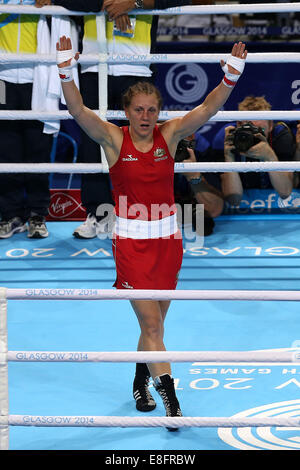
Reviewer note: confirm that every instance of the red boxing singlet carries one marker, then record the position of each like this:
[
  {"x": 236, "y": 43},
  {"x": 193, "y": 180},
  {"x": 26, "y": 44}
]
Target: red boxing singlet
[
  {"x": 143, "y": 181},
  {"x": 143, "y": 189}
]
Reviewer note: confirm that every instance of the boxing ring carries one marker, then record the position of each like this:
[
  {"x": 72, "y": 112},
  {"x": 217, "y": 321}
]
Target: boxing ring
[{"x": 270, "y": 290}]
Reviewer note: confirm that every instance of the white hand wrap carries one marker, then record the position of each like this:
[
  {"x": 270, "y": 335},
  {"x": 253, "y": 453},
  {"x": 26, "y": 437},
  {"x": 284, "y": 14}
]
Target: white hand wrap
[
  {"x": 238, "y": 64},
  {"x": 65, "y": 73}
]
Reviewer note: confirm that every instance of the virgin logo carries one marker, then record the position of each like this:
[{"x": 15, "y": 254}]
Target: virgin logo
[{"x": 63, "y": 205}]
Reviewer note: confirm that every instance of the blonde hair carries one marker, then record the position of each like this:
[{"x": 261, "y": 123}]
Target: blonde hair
[
  {"x": 254, "y": 103},
  {"x": 143, "y": 88}
]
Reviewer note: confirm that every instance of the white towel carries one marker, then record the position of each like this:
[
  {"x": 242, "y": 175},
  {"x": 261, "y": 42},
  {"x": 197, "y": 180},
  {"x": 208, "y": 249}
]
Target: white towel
[
  {"x": 42, "y": 100},
  {"x": 47, "y": 92},
  {"x": 62, "y": 26}
]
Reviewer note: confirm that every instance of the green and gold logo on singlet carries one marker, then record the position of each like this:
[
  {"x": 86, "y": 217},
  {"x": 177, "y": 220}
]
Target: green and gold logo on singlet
[
  {"x": 159, "y": 155},
  {"x": 159, "y": 152}
]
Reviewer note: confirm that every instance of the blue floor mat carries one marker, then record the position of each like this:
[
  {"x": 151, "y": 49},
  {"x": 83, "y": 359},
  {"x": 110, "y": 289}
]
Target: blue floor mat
[{"x": 256, "y": 253}]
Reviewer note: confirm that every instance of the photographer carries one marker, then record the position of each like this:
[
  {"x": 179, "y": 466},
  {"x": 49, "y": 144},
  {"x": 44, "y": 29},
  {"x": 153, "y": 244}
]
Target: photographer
[
  {"x": 297, "y": 150},
  {"x": 252, "y": 141},
  {"x": 193, "y": 188}
]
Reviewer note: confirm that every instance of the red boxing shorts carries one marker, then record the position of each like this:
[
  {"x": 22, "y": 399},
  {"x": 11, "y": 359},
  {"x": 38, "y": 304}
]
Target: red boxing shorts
[{"x": 147, "y": 263}]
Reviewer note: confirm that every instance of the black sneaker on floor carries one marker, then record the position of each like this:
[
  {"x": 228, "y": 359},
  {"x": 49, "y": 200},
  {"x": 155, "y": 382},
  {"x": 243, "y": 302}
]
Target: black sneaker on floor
[
  {"x": 164, "y": 385},
  {"x": 143, "y": 398},
  {"x": 37, "y": 227}
]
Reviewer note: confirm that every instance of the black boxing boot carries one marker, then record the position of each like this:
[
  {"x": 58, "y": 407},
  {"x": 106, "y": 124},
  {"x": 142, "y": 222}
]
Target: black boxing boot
[
  {"x": 164, "y": 385},
  {"x": 143, "y": 398}
]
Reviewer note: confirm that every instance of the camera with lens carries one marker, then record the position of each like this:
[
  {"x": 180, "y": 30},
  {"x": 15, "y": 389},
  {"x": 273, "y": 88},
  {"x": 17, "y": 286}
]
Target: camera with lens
[
  {"x": 244, "y": 136},
  {"x": 182, "y": 149}
]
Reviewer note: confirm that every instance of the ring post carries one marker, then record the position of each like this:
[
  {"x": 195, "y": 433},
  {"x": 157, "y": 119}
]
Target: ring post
[
  {"x": 102, "y": 74},
  {"x": 4, "y": 428}
]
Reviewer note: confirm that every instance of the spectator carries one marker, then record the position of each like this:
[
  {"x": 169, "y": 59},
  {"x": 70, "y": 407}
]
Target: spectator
[
  {"x": 119, "y": 7},
  {"x": 272, "y": 142},
  {"x": 297, "y": 150},
  {"x": 23, "y": 197},
  {"x": 297, "y": 154}
]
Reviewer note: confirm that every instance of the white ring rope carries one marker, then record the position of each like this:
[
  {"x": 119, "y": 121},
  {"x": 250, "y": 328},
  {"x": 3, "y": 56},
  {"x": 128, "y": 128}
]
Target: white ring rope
[
  {"x": 129, "y": 421},
  {"x": 204, "y": 167},
  {"x": 120, "y": 115},
  {"x": 153, "y": 356},
  {"x": 252, "y": 58},
  {"x": 130, "y": 294},
  {"x": 186, "y": 10}
]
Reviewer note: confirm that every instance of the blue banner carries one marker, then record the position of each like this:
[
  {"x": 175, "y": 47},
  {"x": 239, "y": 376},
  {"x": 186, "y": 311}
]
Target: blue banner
[
  {"x": 230, "y": 30},
  {"x": 184, "y": 86},
  {"x": 264, "y": 201}
]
